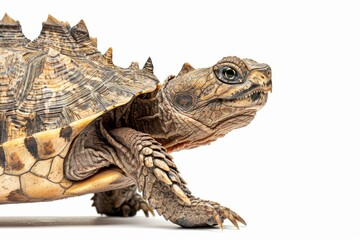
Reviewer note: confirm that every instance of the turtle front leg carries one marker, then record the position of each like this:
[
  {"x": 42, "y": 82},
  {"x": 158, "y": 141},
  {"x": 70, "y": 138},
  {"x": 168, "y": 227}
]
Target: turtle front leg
[
  {"x": 157, "y": 177},
  {"x": 124, "y": 202}
]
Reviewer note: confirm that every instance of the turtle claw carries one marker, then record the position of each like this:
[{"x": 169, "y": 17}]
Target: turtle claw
[
  {"x": 219, "y": 221},
  {"x": 226, "y": 213},
  {"x": 144, "y": 206},
  {"x": 238, "y": 218},
  {"x": 212, "y": 212},
  {"x": 126, "y": 210},
  {"x": 233, "y": 221}
]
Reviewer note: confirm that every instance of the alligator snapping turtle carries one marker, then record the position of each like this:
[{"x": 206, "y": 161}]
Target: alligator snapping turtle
[{"x": 72, "y": 123}]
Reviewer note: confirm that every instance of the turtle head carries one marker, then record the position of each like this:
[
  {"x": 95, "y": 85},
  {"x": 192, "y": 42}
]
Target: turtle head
[{"x": 224, "y": 96}]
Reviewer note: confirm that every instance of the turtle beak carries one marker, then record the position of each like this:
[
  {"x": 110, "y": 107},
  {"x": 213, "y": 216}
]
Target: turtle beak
[
  {"x": 266, "y": 74},
  {"x": 269, "y": 86}
]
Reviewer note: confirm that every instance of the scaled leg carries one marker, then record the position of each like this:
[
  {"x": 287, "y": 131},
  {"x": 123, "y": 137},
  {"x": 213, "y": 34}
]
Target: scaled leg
[
  {"x": 124, "y": 202},
  {"x": 157, "y": 177}
]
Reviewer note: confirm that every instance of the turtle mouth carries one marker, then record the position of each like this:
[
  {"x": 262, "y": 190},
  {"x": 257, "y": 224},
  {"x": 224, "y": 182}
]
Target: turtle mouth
[
  {"x": 250, "y": 98},
  {"x": 253, "y": 95},
  {"x": 253, "y": 92}
]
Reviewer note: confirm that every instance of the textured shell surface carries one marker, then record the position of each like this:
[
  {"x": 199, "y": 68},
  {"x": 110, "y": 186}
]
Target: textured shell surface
[
  {"x": 59, "y": 78},
  {"x": 51, "y": 88}
]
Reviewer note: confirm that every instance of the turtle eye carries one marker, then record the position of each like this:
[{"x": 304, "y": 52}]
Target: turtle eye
[{"x": 229, "y": 74}]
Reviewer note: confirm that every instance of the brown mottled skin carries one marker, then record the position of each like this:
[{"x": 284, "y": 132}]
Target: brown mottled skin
[{"x": 118, "y": 138}]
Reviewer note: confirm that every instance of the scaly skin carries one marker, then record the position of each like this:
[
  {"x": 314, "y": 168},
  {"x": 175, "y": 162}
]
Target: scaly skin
[
  {"x": 190, "y": 110},
  {"x": 152, "y": 169}
]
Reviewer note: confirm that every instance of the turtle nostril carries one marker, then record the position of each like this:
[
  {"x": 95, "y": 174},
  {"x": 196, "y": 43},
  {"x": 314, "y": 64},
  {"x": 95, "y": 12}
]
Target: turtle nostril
[
  {"x": 265, "y": 72},
  {"x": 269, "y": 73}
]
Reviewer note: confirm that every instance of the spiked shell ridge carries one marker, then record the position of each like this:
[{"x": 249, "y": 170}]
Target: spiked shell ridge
[{"x": 60, "y": 78}]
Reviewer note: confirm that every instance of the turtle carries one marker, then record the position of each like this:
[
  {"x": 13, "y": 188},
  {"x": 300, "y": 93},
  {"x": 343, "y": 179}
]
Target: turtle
[{"x": 74, "y": 123}]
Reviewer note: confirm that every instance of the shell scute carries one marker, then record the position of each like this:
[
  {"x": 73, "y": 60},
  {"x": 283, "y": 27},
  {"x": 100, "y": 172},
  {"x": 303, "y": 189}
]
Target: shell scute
[{"x": 18, "y": 159}]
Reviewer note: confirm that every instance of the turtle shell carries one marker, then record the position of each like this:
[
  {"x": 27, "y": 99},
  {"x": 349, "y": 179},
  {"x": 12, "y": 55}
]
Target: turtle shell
[
  {"x": 60, "y": 79},
  {"x": 51, "y": 88}
]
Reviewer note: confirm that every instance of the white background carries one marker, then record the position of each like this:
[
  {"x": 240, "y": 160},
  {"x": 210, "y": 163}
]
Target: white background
[{"x": 293, "y": 173}]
